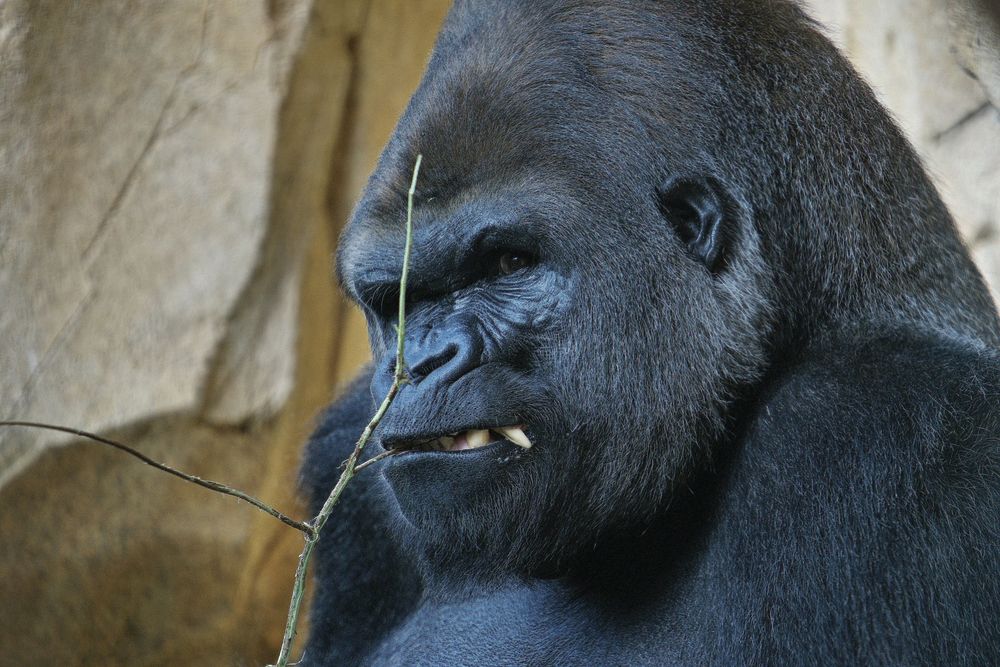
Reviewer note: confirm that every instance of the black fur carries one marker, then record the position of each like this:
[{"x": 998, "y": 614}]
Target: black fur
[{"x": 756, "y": 362}]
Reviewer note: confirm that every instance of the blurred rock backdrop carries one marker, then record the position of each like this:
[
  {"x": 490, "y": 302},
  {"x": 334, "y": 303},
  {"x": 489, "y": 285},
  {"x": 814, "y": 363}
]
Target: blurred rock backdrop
[{"x": 173, "y": 177}]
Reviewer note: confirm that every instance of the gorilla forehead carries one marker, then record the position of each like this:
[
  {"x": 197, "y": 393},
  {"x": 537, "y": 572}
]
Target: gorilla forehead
[{"x": 544, "y": 93}]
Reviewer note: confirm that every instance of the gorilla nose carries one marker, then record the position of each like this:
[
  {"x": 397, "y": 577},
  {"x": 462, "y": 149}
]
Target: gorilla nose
[
  {"x": 437, "y": 358},
  {"x": 430, "y": 360}
]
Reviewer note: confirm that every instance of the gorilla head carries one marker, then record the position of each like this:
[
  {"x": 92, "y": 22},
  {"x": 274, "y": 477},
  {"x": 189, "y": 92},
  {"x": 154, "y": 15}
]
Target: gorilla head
[{"x": 624, "y": 219}]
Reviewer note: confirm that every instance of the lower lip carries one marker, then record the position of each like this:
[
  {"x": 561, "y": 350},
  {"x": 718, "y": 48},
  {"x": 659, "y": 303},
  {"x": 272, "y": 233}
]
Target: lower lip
[{"x": 427, "y": 484}]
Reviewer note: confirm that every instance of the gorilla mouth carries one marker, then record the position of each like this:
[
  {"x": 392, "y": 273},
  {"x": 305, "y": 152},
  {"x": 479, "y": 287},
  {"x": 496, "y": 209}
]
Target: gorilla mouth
[{"x": 467, "y": 440}]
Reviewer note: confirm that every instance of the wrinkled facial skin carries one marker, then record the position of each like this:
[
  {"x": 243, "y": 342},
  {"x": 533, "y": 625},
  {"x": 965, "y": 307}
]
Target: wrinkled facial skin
[{"x": 547, "y": 290}]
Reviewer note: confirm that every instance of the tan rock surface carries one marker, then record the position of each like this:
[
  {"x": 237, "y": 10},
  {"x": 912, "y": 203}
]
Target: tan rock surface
[
  {"x": 168, "y": 174},
  {"x": 135, "y": 204},
  {"x": 975, "y": 28}
]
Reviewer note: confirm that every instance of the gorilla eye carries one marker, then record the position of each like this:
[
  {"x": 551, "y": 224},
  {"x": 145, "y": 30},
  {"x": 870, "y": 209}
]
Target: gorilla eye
[{"x": 512, "y": 261}]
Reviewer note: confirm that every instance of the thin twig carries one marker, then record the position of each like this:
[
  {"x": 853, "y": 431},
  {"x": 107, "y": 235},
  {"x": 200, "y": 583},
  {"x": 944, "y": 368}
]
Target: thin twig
[
  {"x": 305, "y": 528},
  {"x": 375, "y": 459},
  {"x": 351, "y": 465}
]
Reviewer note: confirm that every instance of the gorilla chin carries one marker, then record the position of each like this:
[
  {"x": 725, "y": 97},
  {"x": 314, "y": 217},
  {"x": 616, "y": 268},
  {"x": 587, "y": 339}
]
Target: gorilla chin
[
  {"x": 680, "y": 250},
  {"x": 436, "y": 491}
]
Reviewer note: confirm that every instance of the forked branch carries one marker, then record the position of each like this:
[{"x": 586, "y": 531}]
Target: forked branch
[{"x": 351, "y": 466}]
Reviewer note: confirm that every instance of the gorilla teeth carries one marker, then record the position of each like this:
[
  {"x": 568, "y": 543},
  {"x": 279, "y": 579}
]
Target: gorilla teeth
[
  {"x": 516, "y": 435},
  {"x": 474, "y": 439},
  {"x": 478, "y": 438}
]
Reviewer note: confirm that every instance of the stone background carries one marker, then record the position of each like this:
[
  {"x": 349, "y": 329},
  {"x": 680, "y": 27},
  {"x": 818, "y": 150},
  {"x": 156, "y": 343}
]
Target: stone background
[{"x": 173, "y": 176}]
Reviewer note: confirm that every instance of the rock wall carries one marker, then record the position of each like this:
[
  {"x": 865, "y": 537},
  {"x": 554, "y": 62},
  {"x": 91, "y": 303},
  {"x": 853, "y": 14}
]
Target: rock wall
[{"x": 172, "y": 180}]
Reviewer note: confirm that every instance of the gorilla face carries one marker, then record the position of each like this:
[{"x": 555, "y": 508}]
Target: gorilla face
[{"x": 573, "y": 279}]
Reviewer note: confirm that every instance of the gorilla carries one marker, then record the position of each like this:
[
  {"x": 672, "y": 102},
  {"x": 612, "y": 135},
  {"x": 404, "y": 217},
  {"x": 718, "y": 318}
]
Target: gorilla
[{"x": 701, "y": 372}]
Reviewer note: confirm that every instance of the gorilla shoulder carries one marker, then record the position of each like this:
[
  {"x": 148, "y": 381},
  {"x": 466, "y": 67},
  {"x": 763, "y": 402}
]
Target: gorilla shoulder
[{"x": 868, "y": 478}]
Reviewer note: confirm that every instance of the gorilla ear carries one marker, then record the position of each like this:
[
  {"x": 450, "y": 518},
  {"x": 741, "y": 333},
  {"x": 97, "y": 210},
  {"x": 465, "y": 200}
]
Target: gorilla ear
[{"x": 702, "y": 213}]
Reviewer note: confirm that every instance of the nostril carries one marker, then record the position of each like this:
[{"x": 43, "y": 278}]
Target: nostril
[{"x": 428, "y": 365}]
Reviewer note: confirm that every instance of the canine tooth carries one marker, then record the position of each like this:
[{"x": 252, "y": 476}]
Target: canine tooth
[
  {"x": 516, "y": 435},
  {"x": 446, "y": 442},
  {"x": 478, "y": 438}
]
